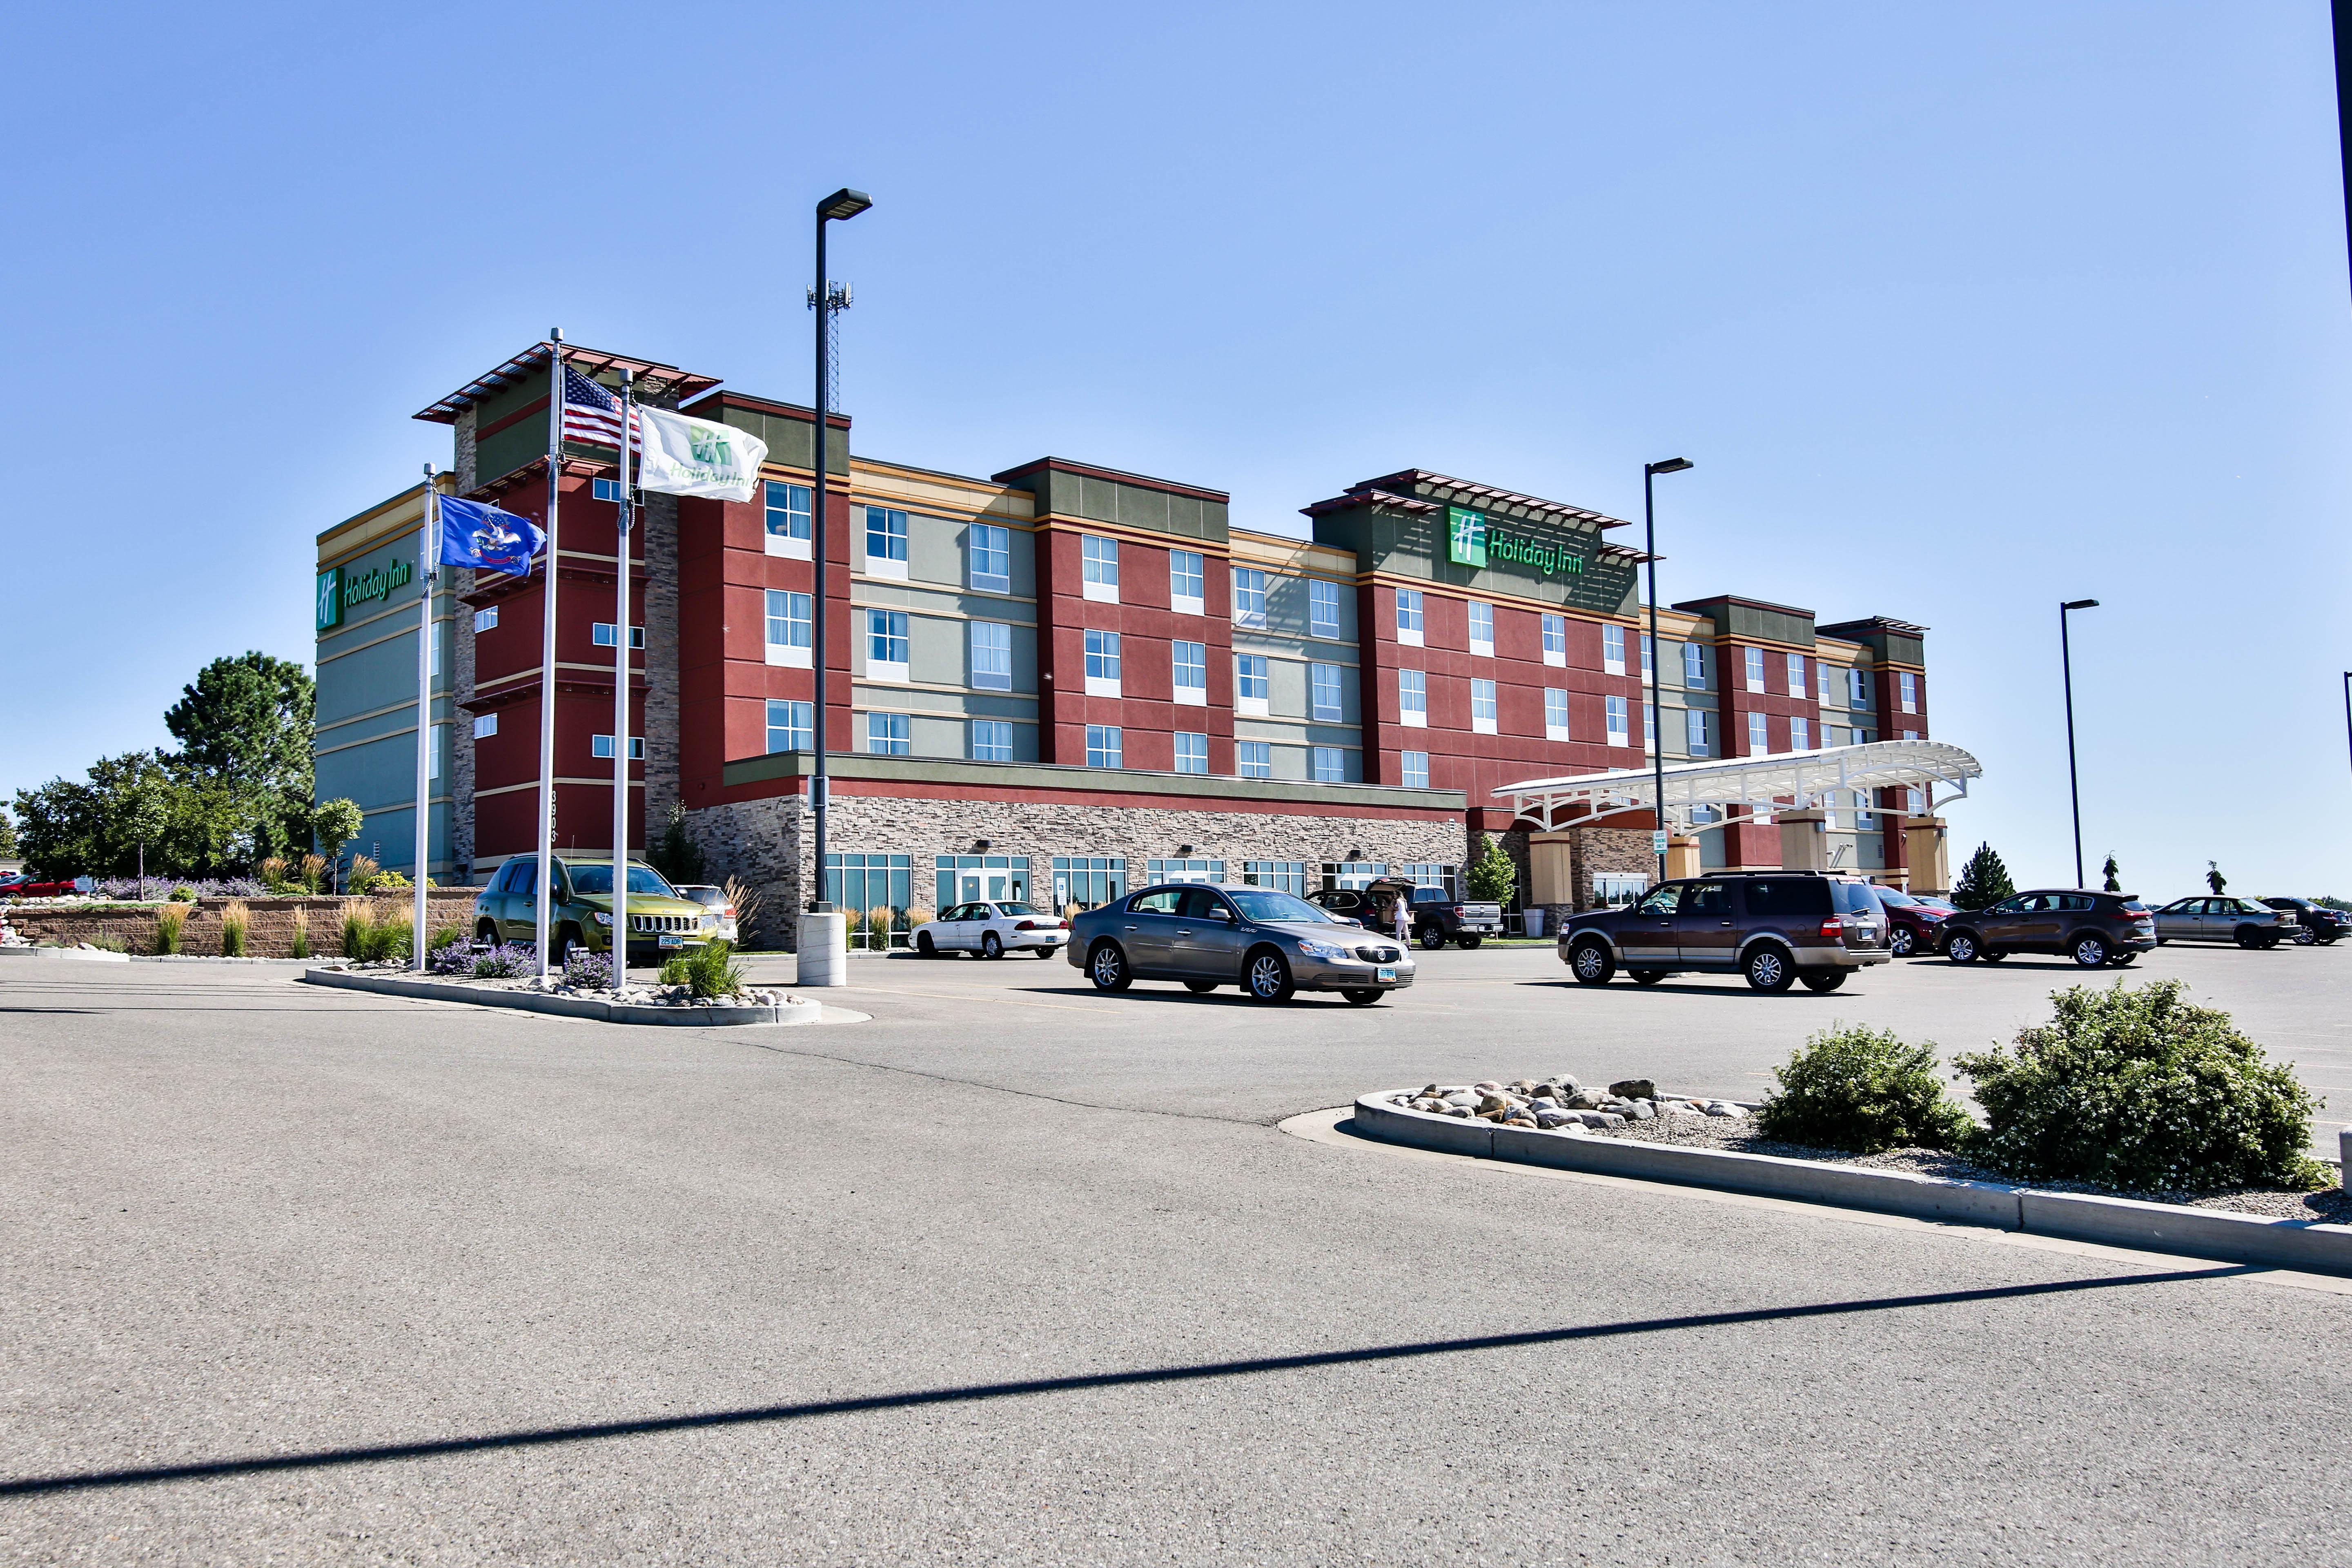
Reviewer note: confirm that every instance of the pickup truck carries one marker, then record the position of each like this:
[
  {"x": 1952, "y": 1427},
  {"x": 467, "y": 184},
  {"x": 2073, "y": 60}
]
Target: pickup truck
[{"x": 1438, "y": 917}]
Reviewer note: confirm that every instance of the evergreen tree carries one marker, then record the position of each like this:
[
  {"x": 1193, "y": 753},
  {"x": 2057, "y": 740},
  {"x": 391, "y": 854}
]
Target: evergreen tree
[
  {"x": 1984, "y": 881},
  {"x": 2214, "y": 880},
  {"x": 675, "y": 854},
  {"x": 2114, "y": 874},
  {"x": 1492, "y": 875},
  {"x": 7, "y": 835}
]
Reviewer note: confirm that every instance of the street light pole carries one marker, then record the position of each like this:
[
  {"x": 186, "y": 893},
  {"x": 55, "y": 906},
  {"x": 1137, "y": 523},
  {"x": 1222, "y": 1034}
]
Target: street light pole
[
  {"x": 2066, "y": 664},
  {"x": 840, "y": 207},
  {"x": 1657, "y": 737}
]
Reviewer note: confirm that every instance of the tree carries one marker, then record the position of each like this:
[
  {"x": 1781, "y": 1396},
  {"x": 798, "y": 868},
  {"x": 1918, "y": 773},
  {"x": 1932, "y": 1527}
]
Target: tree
[
  {"x": 1984, "y": 881},
  {"x": 2114, "y": 874},
  {"x": 675, "y": 854},
  {"x": 7, "y": 835},
  {"x": 2214, "y": 880},
  {"x": 1492, "y": 875},
  {"x": 335, "y": 822},
  {"x": 244, "y": 726},
  {"x": 145, "y": 812}
]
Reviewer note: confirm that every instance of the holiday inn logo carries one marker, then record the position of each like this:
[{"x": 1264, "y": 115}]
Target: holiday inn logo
[
  {"x": 1466, "y": 543},
  {"x": 710, "y": 445},
  {"x": 1471, "y": 540}
]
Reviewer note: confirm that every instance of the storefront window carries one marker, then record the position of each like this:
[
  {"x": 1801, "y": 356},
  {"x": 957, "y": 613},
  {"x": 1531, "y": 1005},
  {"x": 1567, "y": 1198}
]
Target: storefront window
[
  {"x": 1281, "y": 875},
  {"x": 1352, "y": 873},
  {"x": 1089, "y": 882},
  {"x": 874, "y": 890},
  {"x": 1185, "y": 871},
  {"x": 997, "y": 877}
]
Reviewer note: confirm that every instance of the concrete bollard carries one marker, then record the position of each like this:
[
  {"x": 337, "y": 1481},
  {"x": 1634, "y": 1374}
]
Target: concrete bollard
[{"x": 824, "y": 950}]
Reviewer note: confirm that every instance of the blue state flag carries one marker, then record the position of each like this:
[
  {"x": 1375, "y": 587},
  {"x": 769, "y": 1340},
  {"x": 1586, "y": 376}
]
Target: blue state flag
[{"x": 475, "y": 534}]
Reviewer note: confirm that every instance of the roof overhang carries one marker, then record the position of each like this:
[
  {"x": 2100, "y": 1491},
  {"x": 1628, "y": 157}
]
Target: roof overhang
[
  {"x": 654, "y": 377},
  {"x": 1802, "y": 777}
]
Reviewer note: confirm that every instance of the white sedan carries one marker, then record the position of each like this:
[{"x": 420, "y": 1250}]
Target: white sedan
[{"x": 991, "y": 930}]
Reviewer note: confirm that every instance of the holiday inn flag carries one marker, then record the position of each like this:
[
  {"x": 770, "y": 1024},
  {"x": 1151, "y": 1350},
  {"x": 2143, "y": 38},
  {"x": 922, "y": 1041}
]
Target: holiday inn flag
[{"x": 688, "y": 457}]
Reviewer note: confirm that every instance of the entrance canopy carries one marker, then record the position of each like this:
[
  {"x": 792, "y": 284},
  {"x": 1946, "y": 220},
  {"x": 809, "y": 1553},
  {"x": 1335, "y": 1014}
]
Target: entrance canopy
[{"x": 1804, "y": 778}]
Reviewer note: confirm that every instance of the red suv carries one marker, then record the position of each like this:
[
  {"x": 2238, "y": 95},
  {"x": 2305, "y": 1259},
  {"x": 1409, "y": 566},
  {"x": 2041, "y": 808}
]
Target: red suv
[{"x": 1915, "y": 924}]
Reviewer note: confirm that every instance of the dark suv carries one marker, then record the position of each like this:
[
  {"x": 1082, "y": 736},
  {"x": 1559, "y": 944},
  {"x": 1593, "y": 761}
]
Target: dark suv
[
  {"x": 1775, "y": 927},
  {"x": 2315, "y": 923},
  {"x": 1437, "y": 917},
  {"x": 2091, "y": 928}
]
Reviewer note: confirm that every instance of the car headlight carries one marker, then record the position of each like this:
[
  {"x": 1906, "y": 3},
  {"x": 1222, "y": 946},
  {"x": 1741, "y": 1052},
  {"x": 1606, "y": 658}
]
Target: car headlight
[
  {"x": 602, "y": 918},
  {"x": 1322, "y": 950}
]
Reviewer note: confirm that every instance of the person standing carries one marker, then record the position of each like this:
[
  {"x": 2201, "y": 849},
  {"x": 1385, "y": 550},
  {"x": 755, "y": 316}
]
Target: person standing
[{"x": 1403, "y": 909}]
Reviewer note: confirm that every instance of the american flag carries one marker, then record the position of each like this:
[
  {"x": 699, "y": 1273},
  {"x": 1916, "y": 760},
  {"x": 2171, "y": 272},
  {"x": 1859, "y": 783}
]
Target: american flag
[{"x": 590, "y": 412}]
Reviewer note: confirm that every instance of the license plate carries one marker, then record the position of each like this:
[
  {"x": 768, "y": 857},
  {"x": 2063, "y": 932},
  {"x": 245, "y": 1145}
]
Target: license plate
[
  {"x": 1385, "y": 975},
  {"x": 671, "y": 940}
]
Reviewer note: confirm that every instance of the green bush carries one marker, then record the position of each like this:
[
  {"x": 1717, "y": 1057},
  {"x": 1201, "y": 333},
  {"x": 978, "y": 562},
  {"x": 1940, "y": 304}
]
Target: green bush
[
  {"x": 2137, "y": 1089},
  {"x": 170, "y": 921},
  {"x": 358, "y": 922},
  {"x": 1863, "y": 1090},
  {"x": 183, "y": 895},
  {"x": 447, "y": 936},
  {"x": 707, "y": 971}
]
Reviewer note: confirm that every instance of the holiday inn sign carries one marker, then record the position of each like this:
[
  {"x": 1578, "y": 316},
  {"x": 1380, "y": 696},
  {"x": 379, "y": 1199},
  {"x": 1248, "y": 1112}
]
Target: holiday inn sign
[
  {"x": 1472, "y": 541},
  {"x": 339, "y": 590}
]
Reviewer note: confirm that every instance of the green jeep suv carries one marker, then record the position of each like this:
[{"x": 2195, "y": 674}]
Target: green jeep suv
[{"x": 581, "y": 912}]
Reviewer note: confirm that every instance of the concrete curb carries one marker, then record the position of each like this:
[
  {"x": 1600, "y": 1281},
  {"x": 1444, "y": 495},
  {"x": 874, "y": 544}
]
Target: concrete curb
[
  {"x": 2215, "y": 1234},
  {"x": 783, "y": 1014},
  {"x": 86, "y": 955}
]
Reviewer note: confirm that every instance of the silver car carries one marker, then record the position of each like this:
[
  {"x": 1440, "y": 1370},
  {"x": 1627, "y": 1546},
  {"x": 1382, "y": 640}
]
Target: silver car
[
  {"x": 1267, "y": 943},
  {"x": 2242, "y": 921}
]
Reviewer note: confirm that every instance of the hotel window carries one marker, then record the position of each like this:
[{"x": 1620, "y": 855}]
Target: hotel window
[
  {"x": 788, "y": 628},
  {"x": 1250, "y": 682},
  {"x": 992, "y": 656},
  {"x": 1322, "y": 608},
  {"x": 991, "y": 741},
  {"x": 433, "y": 752},
  {"x": 1650, "y": 726},
  {"x": 1857, "y": 689},
  {"x": 1754, "y": 670},
  {"x": 1909, "y": 685},
  {"x": 1187, "y": 583},
  {"x": 1191, "y": 753},
  {"x": 889, "y": 734},
  {"x": 1254, "y": 758},
  {"x": 1482, "y": 629},
  {"x": 1694, "y": 665},
  {"x": 484, "y": 726},
  {"x": 991, "y": 566},
  {"x": 1649, "y": 656},
  {"x": 1190, "y": 661},
  {"x": 1822, "y": 672},
  {"x": 1100, "y": 557},
  {"x": 1413, "y": 699},
  {"x": 1249, "y": 597},
  {"x": 1618, "y": 734},
  {"x": 1413, "y": 769},
  {"x": 1102, "y": 663},
  {"x": 606, "y": 489},
  {"x": 886, "y": 542},
  {"x": 790, "y": 726},
  {"x": 870, "y": 881},
  {"x": 485, "y": 619},
  {"x": 1797, "y": 675},
  {"x": 1482, "y": 707},
  {"x": 1103, "y": 746},
  {"x": 1612, "y": 649},
  {"x": 1555, "y": 640},
  {"x": 1327, "y": 763},
  {"x": 1193, "y": 870},
  {"x": 1088, "y": 882},
  {"x": 788, "y": 520},
  {"x": 602, "y": 746},
  {"x": 605, "y": 633},
  {"x": 1910, "y": 734},
  {"x": 1281, "y": 875},
  {"x": 1323, "y": 680},
  {"x": 1863, "y": 817},
  {"x": 1556, "y": 716},
  {"x": 1914, "y": 802},
  {"x": 1800, "y": 735},
  {"x": 1760, "y": 735},
  {"x": 1407, "y": 603},
  {"x": 1695, "y": 731},
  {"x": 886, "y": 645}
]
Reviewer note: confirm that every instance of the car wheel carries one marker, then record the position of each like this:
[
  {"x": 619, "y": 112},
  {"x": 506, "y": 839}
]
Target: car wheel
[
  {"x": 2303, "y": 937},
  {"x": 1646, "y": 976},
  {"x": 1960, "y": 947},
  {"x": 1200, "y": 987},
  {"x": 486, "y": 931},
  {"x": 1591, "y": 964},
  {"x": 2248, "y": 938},
  {"x": 923, "y": 947},
  {"x": 2091, "y": 952},
  {"x": 991, "y": 944},
  {"x": 560, "y": 945},
  {"x": 2269, "y": 943},
  {"x": 1432, "y": 939},
  {"x": 1469, "y": 943},
  {"x": 1361, "y": 995},
  {"x": 1769, "y": 969},
  {"x": 1269, "y": 976},
  {"x": 1822, "y": 981},
  {"x": 1106, "y": 967},
  {"x": 1902, "y": 943}
]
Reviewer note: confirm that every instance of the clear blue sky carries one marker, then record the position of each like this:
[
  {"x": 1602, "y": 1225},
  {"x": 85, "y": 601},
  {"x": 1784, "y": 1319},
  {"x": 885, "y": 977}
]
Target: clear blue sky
[{"x": 1960, "y": 311}]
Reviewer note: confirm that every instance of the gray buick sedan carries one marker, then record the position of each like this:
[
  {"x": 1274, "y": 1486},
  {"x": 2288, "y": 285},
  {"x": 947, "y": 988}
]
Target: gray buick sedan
[{"x": 1267, "y": 943}]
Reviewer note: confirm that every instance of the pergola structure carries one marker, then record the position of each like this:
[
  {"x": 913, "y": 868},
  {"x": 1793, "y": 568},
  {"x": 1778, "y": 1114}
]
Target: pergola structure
[{"x": 1801, "y": 779}]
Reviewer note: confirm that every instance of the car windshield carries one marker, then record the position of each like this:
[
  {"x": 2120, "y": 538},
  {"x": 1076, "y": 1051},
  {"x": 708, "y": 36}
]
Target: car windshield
[
  {"x": 1855, "y": 897},
  {"x": 1899, "y": 899},
  {"x": 1002, "y": 909},
  {"x": 714, "y": 897},
  {"x": 1265, "y": 904},
  {"x": 597, "y": 880}
]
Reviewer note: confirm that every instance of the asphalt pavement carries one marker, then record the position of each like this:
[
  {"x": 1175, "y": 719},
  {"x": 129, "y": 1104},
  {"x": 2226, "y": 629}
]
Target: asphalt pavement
[{"x": 1018, "y": 1273}]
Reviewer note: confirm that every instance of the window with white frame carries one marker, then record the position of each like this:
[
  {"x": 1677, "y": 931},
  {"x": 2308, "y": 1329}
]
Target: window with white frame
[
  {"x": 1822, "y": 677},
  {"x": 1323, "y": 686},
  {"x": 1620, "y": 730},
  {"x": 1249, "y": 597},
  {"x": 1755, "y": 658},
  {"x": 1555, "y": 715},
  {"x": 1800, "y": 735},
  {"x": 1612, "y": 649},
  {"x": 1281, "y": 875},
  {"x": 1102, "y": 664},
  {"x": 1482, "y": 629},
  {"x": 1412, "y": 770},
  {"x": 1099, "y": 565},
  {"x": 991, "y": 741},
  {"x": 433, "y": 752},
  {"x": 992, "y": 656},
  {"x": 1555, "y": 640},
  {"x": 788, "y": 520},
  {"x": 1910, "y": 734},
  {"x": 1863, "y": 817},
  {"x": 886, "y": 645},
  {"x": 1413, "y": 699},
  {"x": 1857, "y": 689},
  {"x": 1191, "y": 753},
  {"x": 788, "y": 628},
  {"x": 990, "y": 563},
  {"x": 1254, "y": 758},
  {"x": 889, "y": 734},
  {"x": 1104, "y": 748},
  {"x": 1760, "y": 735},
  {"x": 1190, "y": 664},
  {"x": 1187, "y": 583},
  {"x": 1250, "y": 684},
  {"x": 605, "y": 634},
  {"x": 1908, "y": 684},
  {"x": 1650, "y": 726},
  {"x": 792, "y": 726},
  {"x": 600, "y": 746},
  {"x": 1694, "y": 665},
  {"x": 1649, "y": 656},
  {"x": 1482, "y": 707},
  {"x": 1329, "y": 765},
  {"x": 484, "y": 619},
  {"x": 606, "y": 490},
  {"x": 1914, "y": 802},
  {"x": 1797, "y": 687},
  {"x": 1408, "y": 608},
  {"x": 886, "y": 542},
  {"x": 1322, "y": 608},
  {"x": 484, "y": 726},
  {"x": 1694, "y": 731}
]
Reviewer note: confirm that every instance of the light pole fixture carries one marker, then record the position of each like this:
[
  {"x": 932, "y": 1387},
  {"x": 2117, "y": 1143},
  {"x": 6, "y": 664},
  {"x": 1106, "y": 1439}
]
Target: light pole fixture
[
  {"x": 843, "y": 204},
  {"x": 2066, "y": 664},
  {"x": 1657, "y": 738}
]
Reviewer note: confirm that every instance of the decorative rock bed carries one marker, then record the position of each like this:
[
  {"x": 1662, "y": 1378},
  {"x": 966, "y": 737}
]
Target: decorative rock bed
[
  {"x": 639, "y": 1004},
  {"x": 1559, "y": 1103}
]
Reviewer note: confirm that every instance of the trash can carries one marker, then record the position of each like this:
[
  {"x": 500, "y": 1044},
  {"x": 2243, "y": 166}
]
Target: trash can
[{"x": 1533, "y": 921}]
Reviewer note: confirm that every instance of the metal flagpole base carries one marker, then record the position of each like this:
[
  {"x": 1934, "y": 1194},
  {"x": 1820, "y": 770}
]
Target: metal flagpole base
[{"x": 824, "y": 949}]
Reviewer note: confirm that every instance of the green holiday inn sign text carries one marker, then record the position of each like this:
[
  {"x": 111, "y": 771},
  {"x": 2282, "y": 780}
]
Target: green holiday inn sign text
[
  {"x": 339, "y": 590},
  {"x": 1474, "y": 542}
]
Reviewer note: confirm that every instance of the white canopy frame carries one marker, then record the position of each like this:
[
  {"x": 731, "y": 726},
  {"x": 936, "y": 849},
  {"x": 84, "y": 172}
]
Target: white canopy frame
[{"x": 1802, "y": 777}]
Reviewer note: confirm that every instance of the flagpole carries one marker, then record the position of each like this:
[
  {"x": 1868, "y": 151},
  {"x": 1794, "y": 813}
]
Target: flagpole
[
  {"x": 547, "y": 654},
  {"x": 428, "y": 558},
  {"x": 620, "y": 705}
]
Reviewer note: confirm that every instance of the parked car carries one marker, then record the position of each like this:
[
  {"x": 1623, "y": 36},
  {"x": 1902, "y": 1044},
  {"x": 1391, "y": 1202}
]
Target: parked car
[
  {"x": 992, "y": 927},
  {"x": 1914, "y": 923},
  {"x": 60, "y": 888},
  {"x": 2314, "y": 923},
  {"x": 714, "y": 899},
  {"x": 581, "y": 914},
  {"x": 1437, "y": 917},
  {"x": 1269, "y": 943},
  {"x": 1775, "y": 927},
  {"x": 12, "y": 880},
  {"x": 2092, "y": 928},
  {"x": 2242, "y": 921}
]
